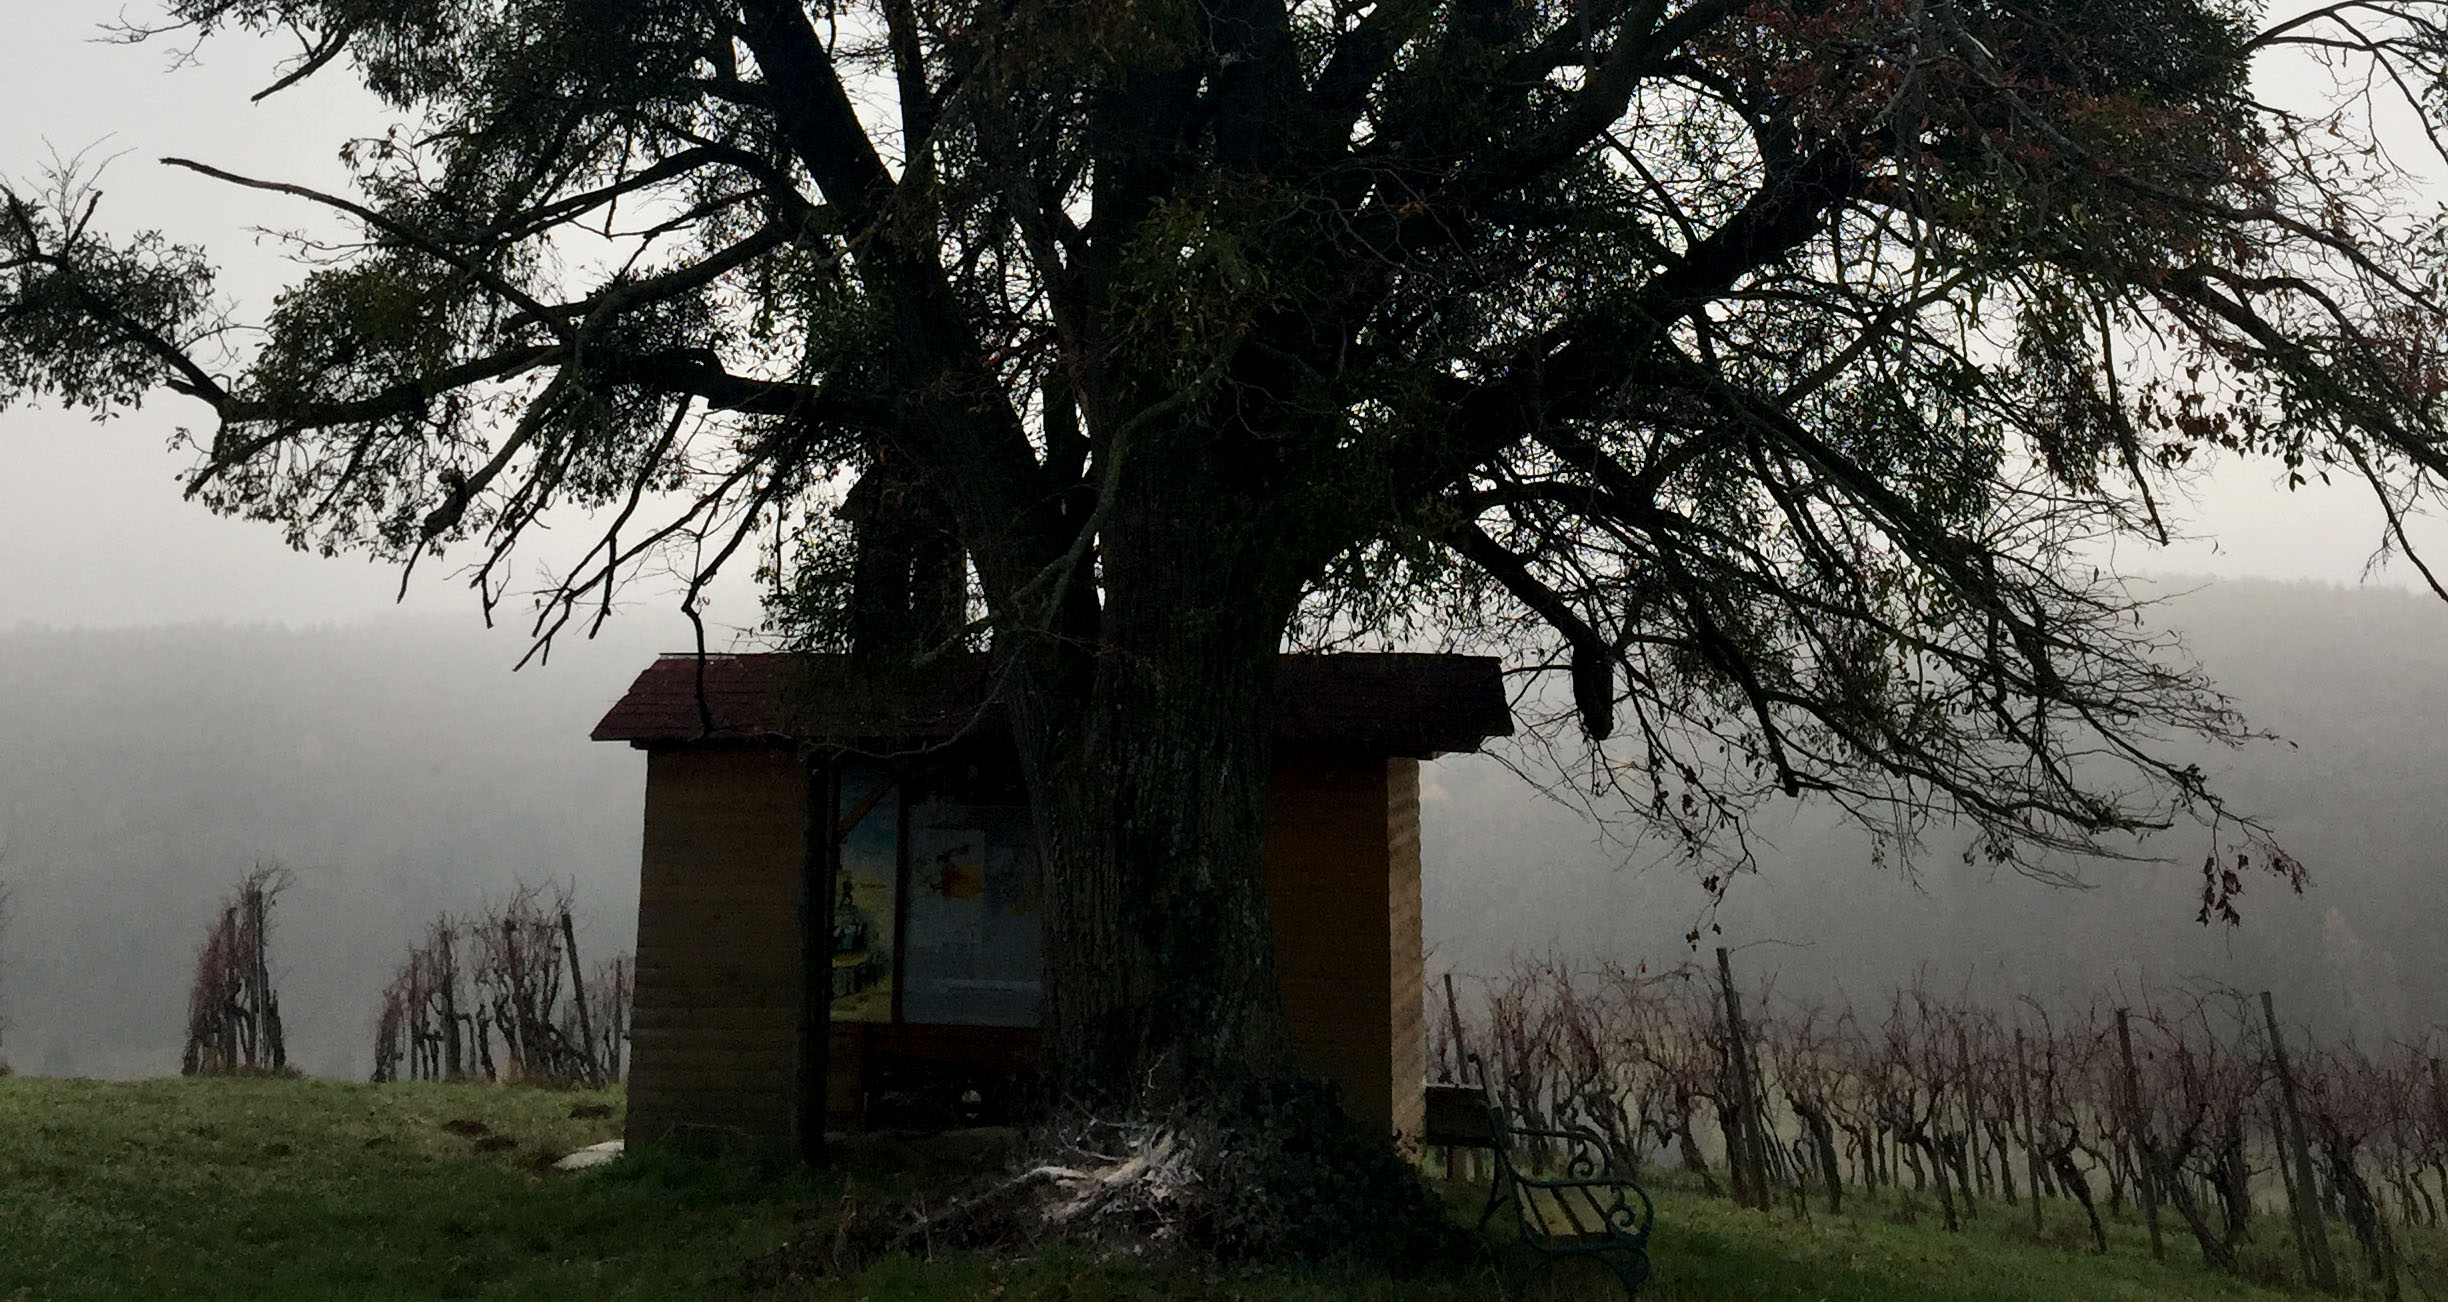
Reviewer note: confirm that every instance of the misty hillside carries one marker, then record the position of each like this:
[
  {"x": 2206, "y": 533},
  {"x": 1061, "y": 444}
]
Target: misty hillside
[
  {"x": 2355, "y": 679},
  {"x": 400, "y": 769}
]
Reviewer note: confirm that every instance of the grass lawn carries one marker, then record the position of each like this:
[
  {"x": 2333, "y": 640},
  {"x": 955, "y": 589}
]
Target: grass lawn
[{"x": 280, "y": 1189}]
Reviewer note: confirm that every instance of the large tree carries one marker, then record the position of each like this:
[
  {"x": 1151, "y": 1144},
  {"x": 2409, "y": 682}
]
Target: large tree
[{"x": 1777, "y": 371}]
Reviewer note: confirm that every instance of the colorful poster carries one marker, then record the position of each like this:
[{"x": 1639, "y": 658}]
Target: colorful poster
[
  {"x": 975, "y": 945},
  {"x": 865, "y": 915}
]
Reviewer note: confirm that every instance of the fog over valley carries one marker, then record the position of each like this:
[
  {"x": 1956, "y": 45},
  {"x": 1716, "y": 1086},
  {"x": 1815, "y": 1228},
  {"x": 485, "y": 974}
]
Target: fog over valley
[
  {"x": 395, "y": 766},
  {"x": 400, "y": 769}
]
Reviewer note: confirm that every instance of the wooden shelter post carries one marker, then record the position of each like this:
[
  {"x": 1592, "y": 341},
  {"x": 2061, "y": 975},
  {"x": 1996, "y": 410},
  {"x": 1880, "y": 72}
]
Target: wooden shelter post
[{"x": 819, "y": 861}]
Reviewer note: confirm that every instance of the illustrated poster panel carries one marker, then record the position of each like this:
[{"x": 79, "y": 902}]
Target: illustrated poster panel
[
  {"x": 976, "y": 954},
  {"x": 863, "y": 911}
]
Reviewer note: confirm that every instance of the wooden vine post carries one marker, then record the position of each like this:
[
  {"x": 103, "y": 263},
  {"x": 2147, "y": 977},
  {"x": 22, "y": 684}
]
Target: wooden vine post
[
  {"x": 2311, "y": 1231},
  {"x": 586, "y": 1022},
  {"x": 1461, "y": 1059},
  {"x": 2031, "y": 1133},
  {"x": 1744, "y": 1146},
  {"x": 1970, "y": 1171}
]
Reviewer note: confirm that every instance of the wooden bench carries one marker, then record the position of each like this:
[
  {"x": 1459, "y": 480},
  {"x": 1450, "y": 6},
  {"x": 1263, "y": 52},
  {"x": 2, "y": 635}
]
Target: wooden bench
[{"x": 1573, "y": 1205}]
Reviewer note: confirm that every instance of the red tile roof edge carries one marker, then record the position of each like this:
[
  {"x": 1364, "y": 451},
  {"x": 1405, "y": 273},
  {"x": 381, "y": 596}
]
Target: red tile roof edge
[{"x": 1393, "y": 703}]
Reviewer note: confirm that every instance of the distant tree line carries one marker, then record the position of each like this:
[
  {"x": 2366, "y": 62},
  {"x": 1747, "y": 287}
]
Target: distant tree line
[
  {"x": 504, "y": 996},
  {"x": 2192, "y": 1109}
]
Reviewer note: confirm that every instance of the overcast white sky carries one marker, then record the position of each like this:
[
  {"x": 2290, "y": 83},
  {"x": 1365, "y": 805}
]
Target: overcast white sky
[{"x": 93, "y": 531}]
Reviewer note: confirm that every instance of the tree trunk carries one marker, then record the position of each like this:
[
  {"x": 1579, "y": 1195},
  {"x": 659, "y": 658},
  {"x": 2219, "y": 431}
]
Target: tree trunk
[
  {"x": 1823, "y": 1143},
  {"x": 1952, "y": 1150},
  {"x": 1938, "y": 1176},
  {"x": 2217, "y": 1253},
  {"x": 452, "y": 1067},
  {"x": 1149, "y": 763},
  {"x": 2234, "y": 1184},
  {"x": 1687, "y": 1145},
  {"x": 2362, "y": 1211}
]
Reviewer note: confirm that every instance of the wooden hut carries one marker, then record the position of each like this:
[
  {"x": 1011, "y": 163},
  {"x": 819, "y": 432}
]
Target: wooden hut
[{"x": 925, "y": 895}]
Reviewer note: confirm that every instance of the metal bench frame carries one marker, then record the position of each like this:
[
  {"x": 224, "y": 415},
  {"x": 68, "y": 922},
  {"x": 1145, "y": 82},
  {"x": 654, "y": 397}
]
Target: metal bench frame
[{"x": 1585, "y": 1209}]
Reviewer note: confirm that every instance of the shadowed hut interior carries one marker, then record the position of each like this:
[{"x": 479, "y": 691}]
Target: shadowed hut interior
[{"x": 794, "y": 804}]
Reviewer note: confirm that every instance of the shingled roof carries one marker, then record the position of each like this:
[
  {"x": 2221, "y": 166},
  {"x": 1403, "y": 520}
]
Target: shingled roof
[{"x": 1388, "y": 704}]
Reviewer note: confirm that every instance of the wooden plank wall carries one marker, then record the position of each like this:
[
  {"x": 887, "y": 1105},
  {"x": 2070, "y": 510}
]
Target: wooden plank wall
[
  {"x": 1330, "y": 865},
  {"x": 715, "y": 1027},
  {"x": 1407, "y": 1031},
  {"x": 716, "y": 1019}
]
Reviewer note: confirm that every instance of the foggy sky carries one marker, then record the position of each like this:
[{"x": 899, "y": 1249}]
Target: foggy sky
[
  {"x": 93, "y": 532},
  {"x": 94, "y": 529}
]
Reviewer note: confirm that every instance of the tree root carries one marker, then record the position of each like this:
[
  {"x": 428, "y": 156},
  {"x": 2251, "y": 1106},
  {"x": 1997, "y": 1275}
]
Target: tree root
[
  {"x": 1274, "y": 1173},
  {"x": 1119, "y": 1188}
]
